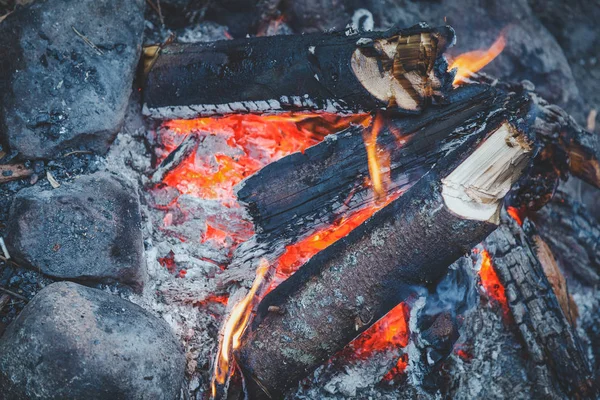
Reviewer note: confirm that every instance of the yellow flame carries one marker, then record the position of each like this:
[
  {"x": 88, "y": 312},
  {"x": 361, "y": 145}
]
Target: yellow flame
[
  {"x": 236, "y": 325},
  {"x": 471, "y": 62},
  {"x": 378, "y": 163}
]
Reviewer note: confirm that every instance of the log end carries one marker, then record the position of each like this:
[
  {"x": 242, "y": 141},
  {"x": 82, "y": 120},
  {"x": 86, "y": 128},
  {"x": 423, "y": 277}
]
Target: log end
[{"x": 476, "y": 188}]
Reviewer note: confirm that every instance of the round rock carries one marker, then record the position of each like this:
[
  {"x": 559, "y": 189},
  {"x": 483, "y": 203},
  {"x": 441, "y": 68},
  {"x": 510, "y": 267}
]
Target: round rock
[{"x": 74, "y": 342}]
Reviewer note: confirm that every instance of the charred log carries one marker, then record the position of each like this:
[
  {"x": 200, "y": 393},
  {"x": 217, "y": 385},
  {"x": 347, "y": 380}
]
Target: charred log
[
  {"x": 283, "y": 202},
  {"x": 400, "y": 69},
  {"x": 561, "y": 369},
  {"x": 347, "y": 287}
]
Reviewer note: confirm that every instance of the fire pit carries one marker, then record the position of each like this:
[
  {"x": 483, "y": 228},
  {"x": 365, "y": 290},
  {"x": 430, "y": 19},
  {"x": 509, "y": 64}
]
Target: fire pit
[{"x": 277, "y": 200}]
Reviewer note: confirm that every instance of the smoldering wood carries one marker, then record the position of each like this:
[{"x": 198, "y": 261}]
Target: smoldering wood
[
  {"x": 284, "y": 203},
  {"x": 400, "y": 69},
  {"x": 348, "y": 286},
  {"x": 561, "y": 369},
  {"x": 176, "y": 157},
  {"x": 13, "y": 172}
]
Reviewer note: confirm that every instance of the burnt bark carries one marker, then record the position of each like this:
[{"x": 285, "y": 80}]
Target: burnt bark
[
  {"x": 560, "y": 367},
  {"x": 345, "y": 288},
  {"x": 403, "y": 69},
  {"x": 289, "y": 197}
]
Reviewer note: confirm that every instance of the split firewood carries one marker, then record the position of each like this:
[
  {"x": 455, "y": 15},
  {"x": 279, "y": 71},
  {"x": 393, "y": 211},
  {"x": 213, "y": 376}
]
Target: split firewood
[
  {"x": 412, "y": 241},
  {"x": 13, "y": 172},
  {"x": 400, "y": 69},
  {"x": 284, "y": 204},
  {"x": 561, "y": 368}
]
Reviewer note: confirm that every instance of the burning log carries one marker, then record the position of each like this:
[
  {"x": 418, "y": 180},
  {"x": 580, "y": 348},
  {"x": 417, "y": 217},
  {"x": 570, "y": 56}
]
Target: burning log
[
  {"x": 280, "y": 198},
  {"x": 561, "y": 368},
  {"x": 348, "y": 286},
  {"x": 400, "y": 69}
]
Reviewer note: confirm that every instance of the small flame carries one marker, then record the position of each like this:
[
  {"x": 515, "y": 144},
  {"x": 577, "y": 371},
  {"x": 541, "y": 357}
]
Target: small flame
[
  {"x": 472, "y": 61},
  {"x": 236, "y": 324},
  {"x": 379, "y": 160},
  {"x": 491, "y": 282}
]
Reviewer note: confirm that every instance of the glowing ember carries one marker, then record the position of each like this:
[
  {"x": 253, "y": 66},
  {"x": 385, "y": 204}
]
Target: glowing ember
[
  {"x": 248, "y": 143},
  {"x": 515, "y": 214},
  {"x": 389, "y": 332},
  {"x": 471, "y": 62},
  {"x": 491, "y": 282},
  {"x": 236, "y": 325},
  {"x": 379, "y": 160}
]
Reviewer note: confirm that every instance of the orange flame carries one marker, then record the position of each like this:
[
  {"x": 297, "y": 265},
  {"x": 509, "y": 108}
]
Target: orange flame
[
  {"x": 236, "y": 324},
  {"x": 471, "y": 62},
  {"x": 379, "y": 160},
  {"x": 491, "y": 282}
]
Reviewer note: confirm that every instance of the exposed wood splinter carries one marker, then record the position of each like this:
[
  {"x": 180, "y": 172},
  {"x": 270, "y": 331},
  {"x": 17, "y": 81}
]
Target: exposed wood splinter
[{"x": 13, "y": 172}]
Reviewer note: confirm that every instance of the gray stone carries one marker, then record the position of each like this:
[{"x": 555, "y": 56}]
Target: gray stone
[
  {"x": 89, "y": 229},
  {"x": 74, "y": 342},
  {"x": 56, "y": 90}
]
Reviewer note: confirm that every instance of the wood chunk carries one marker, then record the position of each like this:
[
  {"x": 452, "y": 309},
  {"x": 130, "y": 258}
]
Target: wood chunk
[
  {"x": 399, "y": 69},
  {"x": 284, "y": 203},
  {"x": 561, "y": 369},
  {"x": 410, "y": 242}
]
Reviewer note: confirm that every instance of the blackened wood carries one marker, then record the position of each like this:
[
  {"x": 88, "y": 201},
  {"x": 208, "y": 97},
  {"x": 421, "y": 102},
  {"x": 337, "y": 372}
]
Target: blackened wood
[
  {"x": 345, "y": 288},
  {"x": 291, "y": 196},
  {"x": 561, "y": 369},
  {"x": 574, "y": 236},
  {"x": 300, "y": 72}
]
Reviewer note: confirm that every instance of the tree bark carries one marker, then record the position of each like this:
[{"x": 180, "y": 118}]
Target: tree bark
[{"x": 561, "y": 369}]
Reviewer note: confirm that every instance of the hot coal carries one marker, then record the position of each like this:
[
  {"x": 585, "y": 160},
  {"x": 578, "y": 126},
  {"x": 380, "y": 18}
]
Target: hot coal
[
  {"x": 87, "y": 230},
  {"x": 66, "y": 74},
  {"x": 75, "y": 342}
]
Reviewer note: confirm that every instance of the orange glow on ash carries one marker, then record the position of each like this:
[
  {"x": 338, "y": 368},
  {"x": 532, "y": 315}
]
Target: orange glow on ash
[
  {"x": 236, "y": 324},
  {"x": 472, "y": 61},
  {"x": 379, "y": 160},
  {"x": 491, "y": 282}
]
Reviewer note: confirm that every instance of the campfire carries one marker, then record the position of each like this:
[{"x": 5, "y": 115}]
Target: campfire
[{"x": 350, "y": 213}]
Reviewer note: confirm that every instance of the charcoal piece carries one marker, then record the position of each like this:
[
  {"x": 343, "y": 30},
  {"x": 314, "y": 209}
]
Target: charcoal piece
[
  {"x": 74, "y": 342},
  {"x": 66, "y": 73},
  {"x": 87, "y": 230}
]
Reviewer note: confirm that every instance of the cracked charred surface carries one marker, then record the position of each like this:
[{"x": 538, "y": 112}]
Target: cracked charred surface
[
  {"x": 561, "y": 369},
  {"x": 403, "y": 69},
  {"x": 362, "y": 276},
  {"x": 284, "y": 203}
]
